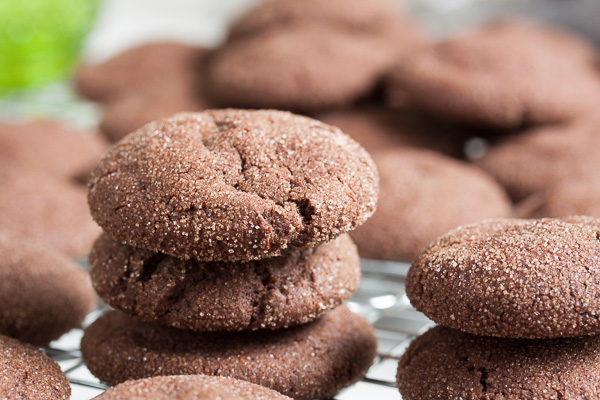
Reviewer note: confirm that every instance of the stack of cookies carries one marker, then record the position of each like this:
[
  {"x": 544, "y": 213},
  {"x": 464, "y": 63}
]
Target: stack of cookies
[
  {"x": 520, "y": 303},
  {"x": 224, "y": 248}
]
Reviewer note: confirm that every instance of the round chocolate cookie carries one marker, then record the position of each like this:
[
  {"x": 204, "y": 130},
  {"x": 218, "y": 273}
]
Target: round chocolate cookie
[
  {"x": 135, "y": 68},
  {"x": 302, "y": 68},
  {"x": 43, "y": 294},
  {"x": 190, "y": 387},
  {"x": 45, "y": 209},
  {"x": 353, "y": 15},
  {"x": 276, "y": 292},
  {"x": 379, "y": 128},
  {"x": 50, "y": 147},
  {"x": 504, "y": 74},
  {"x": 580, "y": 196},
  {"x": 539, "y": 158},
  {"x": 27, "y": 373},
  {"x": 311, "y": 361},
  {"x": 513, "y": 278},
  {"x": 127, "y": 112},
  {"x": 232, "y": 185},
  {"x": 448, "y": 364},
  {"x": 423, "y": 195}
]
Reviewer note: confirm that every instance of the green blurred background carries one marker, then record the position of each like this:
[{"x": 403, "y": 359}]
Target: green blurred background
[{"x": 40, "y": 40}]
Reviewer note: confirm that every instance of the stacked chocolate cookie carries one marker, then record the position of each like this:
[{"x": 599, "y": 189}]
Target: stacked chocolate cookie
[
  {"x": 519, "y": 300},
  {"x": 225, "y": 243}
]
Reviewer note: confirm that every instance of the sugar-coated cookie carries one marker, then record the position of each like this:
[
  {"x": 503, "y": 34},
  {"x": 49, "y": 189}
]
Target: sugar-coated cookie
[
  {"x": 448, "y": 364},
  {"x": 513, "y": 278},
  {"x": 232, "y": 185},
  {"x": 276, "y": 292},
  {"x": 311, "y": 361},
  {"x": 190, "y": 387},
  {"x": 27, "y": 373}
]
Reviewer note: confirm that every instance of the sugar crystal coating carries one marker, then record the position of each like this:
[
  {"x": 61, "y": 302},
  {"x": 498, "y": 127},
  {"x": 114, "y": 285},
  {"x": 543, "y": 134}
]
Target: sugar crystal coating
[
  {"x": 27, "y": 373},
  {"x": 232, "y": 185},
  {"x": 447, "y": 364},
  {"x": 190, "y": 387},
  {"x": 513, "y": 278},
  {"x": 310, "y": 361},
  {"x": 276, "y": 292}
]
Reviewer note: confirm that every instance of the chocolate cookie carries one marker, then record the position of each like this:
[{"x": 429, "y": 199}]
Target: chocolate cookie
[
  {"x": 301, "y": 68},
  {"x": 43, "y": 294},
  {"x": 539, "y": 158},
  {"x": 448, "y": 364},
  {"x": 277, "y": 292},
  {"x": 190, "y": 387},
  {"x": 50, "y": 147},
  {"x": 135, "y": 68},
  {"x": 512, "y": 278},
  {"x": 423, "y": 195},
  {"x": 353, "y": 15},
  {"x": 127, "y": 112},
  {"x": 45, "y": 209},
  {"x": 504, "y": 74},
  {"x": 311, "y": 361},
  {"x": 232, "y": 185},
  {"x": 26, "y": 373},
  {"x": 580, "y": 196},
  {"x": 379, "y": 128}
]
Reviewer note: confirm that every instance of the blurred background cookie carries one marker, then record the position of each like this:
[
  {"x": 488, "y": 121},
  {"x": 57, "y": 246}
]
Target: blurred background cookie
[
  {"x": 126, "y": 112},
  {"x": 49, "y": 147},
  {"x": 503, "y": 74},
  {"x": 292, "y": 56},
  {"x": 423, "y": 195},
  {"x": 380, "y": 128},
  {"x": 45, "y": 209},
  {"x": 43, "y": 294},
  {"x": 536, "y": 159},
  {"x": 576, "y": 196},
  {"x": 135, "y": 68}
]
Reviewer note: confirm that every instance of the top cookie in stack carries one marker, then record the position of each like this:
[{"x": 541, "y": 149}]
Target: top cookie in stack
[{"x": 229, "y": 185}]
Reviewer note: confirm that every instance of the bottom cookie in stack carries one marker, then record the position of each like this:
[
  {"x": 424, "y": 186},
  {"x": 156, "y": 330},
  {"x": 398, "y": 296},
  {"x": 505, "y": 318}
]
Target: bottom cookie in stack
[
  {"x": 310, "y": 361},
  {"x": 445, "y": 363},
  {"x": 264, "y": 321}
]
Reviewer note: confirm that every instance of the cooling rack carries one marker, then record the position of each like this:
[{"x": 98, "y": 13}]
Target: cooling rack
[{"x": 380, "y": 298}]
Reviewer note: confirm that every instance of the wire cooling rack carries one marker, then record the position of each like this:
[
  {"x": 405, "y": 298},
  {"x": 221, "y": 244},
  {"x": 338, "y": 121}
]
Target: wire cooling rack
[{"x": 380, "y": 298}]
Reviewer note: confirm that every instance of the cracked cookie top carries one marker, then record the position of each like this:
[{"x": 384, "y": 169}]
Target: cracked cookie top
[
  {"x": 447, "y": 364},
  {"x": 513, "y": 278},
  {"x": 273, "y": 293},
  {"x": 232, "y": 185}
]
